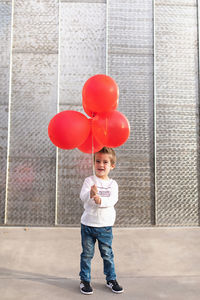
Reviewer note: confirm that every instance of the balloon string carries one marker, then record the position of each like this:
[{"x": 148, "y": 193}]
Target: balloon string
[
  {"x": 93, "y": 156},
  {"x": 106, "y": 126},
  {"x": 93, "y": 168}
]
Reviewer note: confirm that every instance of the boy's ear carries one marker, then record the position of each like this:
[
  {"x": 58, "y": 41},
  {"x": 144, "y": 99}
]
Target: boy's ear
[{"x": 112, "y": 166}]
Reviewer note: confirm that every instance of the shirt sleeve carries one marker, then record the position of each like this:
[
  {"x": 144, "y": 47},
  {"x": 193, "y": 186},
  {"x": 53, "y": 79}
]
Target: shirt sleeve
[
  {"x": 112, "y": 199},
  {"x": 85, "y": 191}
]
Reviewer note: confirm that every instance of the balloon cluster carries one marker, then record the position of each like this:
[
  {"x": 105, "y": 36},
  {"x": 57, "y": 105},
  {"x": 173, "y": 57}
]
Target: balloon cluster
[{"x": 106, "y": 127}]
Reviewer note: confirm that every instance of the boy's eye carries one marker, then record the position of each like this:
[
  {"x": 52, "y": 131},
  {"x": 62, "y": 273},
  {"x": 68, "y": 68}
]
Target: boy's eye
[
  {"x": 105, "y": 162},
  {"x": 98, "y": 161}
]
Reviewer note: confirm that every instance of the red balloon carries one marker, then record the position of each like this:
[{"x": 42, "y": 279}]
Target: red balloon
[
  {"x": 68, "y": 129},
  {"x": 111, "y": 129},
  {"x": 91, "y": 114},
  {"x": 88, "y": 112},
  {"x": 91, "y": 145},
  {"x": 100, "y": 94}
]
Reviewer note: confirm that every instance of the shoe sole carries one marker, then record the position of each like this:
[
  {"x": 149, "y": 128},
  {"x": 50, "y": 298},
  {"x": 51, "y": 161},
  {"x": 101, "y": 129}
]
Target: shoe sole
[
  {"x": 116, "y": 292},
  {"x": 85, "y": 293}
]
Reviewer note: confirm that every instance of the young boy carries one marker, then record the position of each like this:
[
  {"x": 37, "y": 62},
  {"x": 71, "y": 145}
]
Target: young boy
[{"x": 99, "y": 194}]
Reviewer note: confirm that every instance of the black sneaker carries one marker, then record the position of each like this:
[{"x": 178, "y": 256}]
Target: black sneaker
[
  {"x": 114, "y": 286},
  {"x": 86, "y": 288}
]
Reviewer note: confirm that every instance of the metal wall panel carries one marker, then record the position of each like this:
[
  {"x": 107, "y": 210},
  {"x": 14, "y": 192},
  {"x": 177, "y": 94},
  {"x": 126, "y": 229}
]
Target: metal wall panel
[
  {"x": 177, "y": 112},
  {"x": 5, "y": 39},
  {"x": 32, "y": 157},
  {"x": 130, "y": 62},
  {"x": 82, "y": 54}
]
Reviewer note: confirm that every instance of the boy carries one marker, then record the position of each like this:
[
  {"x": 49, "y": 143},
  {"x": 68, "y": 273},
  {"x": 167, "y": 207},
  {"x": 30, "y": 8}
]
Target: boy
[{"x": 99, "y": 195}]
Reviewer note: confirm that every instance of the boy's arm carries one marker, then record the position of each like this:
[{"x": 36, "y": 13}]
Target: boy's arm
[
  {"x": 112, "y": 200},
  {"x": 85, "y": 191}
]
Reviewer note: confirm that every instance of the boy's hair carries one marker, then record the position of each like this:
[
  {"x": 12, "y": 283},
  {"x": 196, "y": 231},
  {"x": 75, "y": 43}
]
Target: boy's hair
[{"x": 110, "y": 151}]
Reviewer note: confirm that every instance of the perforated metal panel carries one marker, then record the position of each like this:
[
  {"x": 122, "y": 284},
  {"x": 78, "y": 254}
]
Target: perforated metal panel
[
  {"x": 32, "y": 162},
  {"x": 130, "y": 62},
  {"x": 177, "y": 112},
  {"x": 5, "y": 37},
  {"x": 82, "y": 54}
]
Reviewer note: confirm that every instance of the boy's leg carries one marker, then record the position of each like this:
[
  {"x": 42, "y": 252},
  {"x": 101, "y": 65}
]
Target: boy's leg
[
  {"x": 105, "y": 238},
  {"x": 88, "y": 243}
]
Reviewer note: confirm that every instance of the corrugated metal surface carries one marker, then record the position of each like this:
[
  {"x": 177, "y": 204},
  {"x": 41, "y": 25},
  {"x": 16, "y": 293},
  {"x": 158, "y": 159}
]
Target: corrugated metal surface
[{"x": 177, "y": 112}]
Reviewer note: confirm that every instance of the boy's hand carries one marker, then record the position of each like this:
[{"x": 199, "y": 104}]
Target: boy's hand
[
  {"x": 93, "y": 191},
  {"x": 97, "y": 199}
]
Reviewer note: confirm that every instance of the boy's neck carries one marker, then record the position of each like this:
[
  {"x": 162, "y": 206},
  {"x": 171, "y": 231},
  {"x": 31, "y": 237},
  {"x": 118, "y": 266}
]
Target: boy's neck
[{"x": 107, "y": 178}]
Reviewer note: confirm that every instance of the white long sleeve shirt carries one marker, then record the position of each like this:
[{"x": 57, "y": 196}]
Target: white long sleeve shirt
[{"x": 99, "y": 215}]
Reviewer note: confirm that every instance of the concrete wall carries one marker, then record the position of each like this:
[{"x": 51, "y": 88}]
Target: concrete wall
[{"x": 49, "y": 48}]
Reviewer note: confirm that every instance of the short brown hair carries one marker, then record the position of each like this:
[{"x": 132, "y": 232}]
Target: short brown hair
[{"x": 109, "y": 151}]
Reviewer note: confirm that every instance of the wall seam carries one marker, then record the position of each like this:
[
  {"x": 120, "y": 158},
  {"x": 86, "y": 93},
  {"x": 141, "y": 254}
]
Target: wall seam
[
  {"x": 107, "y": 4},
  {"x": 9, "y": 114},
  {"x": 154, "y": 115},
  {"x": 198, "y": 108},
  {"x": 58, "y": 105}
]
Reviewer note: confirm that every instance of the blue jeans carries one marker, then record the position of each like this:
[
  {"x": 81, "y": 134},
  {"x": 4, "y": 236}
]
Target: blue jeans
[{"x": 89, "y": 235}]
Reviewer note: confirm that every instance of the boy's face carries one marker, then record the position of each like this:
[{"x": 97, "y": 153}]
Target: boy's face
[{"x": 102, "y": 165}]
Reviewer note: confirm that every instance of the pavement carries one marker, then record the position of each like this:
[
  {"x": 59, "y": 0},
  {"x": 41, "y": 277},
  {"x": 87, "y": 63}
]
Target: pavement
[{"x": 151, "y": 263}]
